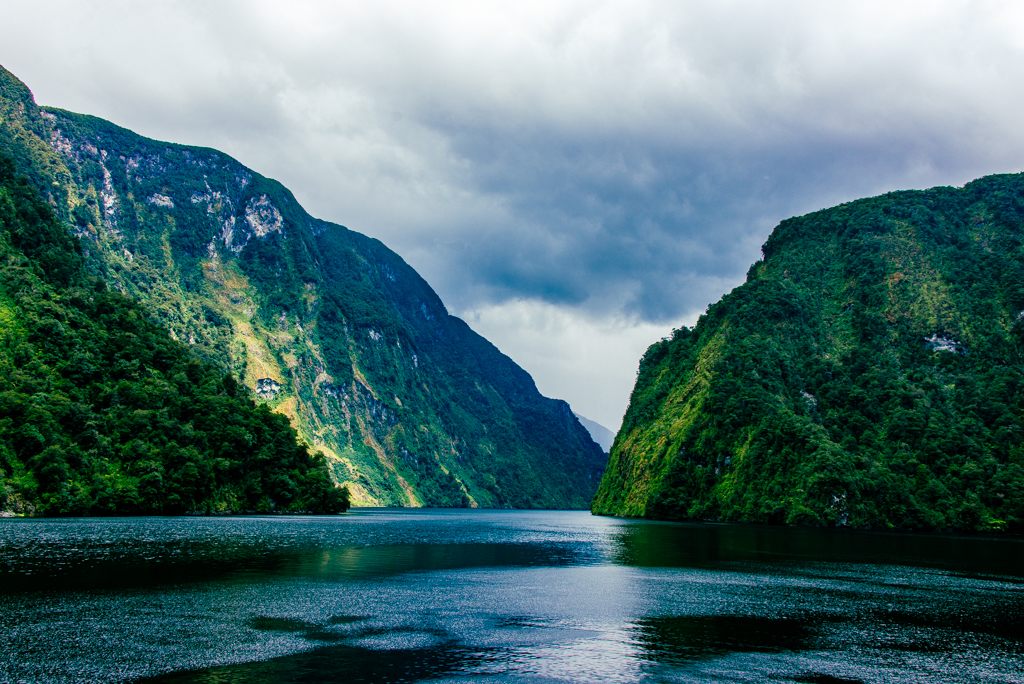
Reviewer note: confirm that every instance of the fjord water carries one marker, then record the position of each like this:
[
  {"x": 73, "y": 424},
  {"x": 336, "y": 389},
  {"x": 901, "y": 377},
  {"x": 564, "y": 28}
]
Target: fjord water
[{"x": 408, "y": 596}]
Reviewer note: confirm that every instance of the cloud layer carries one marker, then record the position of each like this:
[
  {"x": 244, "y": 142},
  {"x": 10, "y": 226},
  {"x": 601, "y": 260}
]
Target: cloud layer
[{"x": 603, "y": 169}]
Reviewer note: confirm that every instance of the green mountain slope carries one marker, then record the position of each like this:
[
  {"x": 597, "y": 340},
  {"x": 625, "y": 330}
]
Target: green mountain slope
[
  {"x": 101, "y": 412},
  {"x": 870, "y": 372},
  {"x": 322, "y": 324}
]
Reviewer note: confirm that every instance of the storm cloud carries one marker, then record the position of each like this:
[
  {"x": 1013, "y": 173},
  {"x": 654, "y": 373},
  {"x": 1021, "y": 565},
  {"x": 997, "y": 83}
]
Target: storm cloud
[{"x": 599, "y": 172}]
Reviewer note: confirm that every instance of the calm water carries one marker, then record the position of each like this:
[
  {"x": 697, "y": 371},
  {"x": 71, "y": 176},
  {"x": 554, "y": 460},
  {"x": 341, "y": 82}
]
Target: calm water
[{"x": 410, "y": 596}]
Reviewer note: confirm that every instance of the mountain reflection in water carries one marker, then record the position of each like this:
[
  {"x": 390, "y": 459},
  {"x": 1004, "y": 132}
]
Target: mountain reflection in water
[{"x": 406, "y": 596}]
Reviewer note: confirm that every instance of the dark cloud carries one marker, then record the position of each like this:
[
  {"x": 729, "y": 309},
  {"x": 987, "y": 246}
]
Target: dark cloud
[
  {"x": 601, "y": 165},
  {"x": 655, "y": 229}
]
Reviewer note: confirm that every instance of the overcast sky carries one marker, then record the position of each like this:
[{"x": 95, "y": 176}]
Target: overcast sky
[{"x": 573, "y": 178}]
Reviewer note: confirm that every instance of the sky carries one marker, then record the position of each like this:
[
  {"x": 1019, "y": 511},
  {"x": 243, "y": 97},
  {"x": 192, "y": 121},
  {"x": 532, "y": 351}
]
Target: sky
[{"x": 575, "y": 179}]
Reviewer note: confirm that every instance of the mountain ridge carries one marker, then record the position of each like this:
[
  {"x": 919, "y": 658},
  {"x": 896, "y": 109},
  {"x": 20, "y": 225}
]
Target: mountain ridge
[
  {"x": 869, "y": 372},
  {"x": 102, "y": 413},
  {"x": 325, "y": 325},
  {"x": 602, "y": 435}
]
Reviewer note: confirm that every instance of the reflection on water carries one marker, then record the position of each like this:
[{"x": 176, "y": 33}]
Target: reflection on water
[
  {"x": 652, "y": 544},
  {"x": 123, "y": 553},
  {"x": 390, "y": 596},
  {"x": 369, "y": 561}
]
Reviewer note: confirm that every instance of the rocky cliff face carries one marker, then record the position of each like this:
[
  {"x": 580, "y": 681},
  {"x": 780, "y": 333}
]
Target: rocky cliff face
[
  {"x": 324, "y": 324},
  {"x": 870, "y": 373}
]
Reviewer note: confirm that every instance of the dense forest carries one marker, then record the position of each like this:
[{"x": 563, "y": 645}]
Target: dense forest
[
  {"x": 869, "y": 373},
  {"x": 101, "y": 412},
  {"x": 319, "y": 323}
]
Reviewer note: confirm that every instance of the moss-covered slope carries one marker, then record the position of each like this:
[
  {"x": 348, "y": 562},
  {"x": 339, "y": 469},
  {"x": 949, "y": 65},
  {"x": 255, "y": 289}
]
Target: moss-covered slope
[
  {"x": 322, "y": 324},
  {"x": 870, "y": 373}
]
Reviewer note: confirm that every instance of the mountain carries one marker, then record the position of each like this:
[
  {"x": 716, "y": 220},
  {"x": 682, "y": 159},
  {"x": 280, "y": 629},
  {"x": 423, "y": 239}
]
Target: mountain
[
  {"x": 602, "y": 435},
  {"x": 321, "y": 324},
  {"x": 869, "y": 372},
  {"x": 102, "y": 412}
]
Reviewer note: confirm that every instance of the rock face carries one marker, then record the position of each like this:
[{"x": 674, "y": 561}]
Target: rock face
[
  {"x": 326, "y": 325},
  {"x": 870, "y": 372}
]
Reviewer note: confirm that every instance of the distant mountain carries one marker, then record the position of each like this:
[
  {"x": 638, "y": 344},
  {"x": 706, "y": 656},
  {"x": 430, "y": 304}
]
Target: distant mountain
[
  {"x": 870, "y": 373},
  {"x": 322, "y": 324},
  {"x": 602, "y": 435}
]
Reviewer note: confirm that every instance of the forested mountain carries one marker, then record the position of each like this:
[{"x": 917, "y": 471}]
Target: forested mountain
[
  {"x": 870, "y": 372},
  {"x": 321, "y": 324},
  {"x": 101, "y": 412}
]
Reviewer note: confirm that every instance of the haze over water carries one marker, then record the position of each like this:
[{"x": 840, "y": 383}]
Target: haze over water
[{"x": 407, "y": 596}]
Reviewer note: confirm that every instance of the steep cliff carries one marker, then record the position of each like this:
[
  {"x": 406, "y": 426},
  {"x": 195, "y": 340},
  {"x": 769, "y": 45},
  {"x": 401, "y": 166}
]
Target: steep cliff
[
  {"x": 102, "y": 413},
  {"x": 322, "y": 324},
  {"x": 870, "y": 372}
]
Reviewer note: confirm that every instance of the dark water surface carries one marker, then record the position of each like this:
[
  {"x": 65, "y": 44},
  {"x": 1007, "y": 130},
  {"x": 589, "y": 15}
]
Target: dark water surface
[{"x": 503, "y": 596}]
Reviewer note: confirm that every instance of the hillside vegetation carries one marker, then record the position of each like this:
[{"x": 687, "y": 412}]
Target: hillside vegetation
[
  {"x": 101, "y": 412},
  {"x": 870, "y": 373},
  {"x": 320, "y": 324}
]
